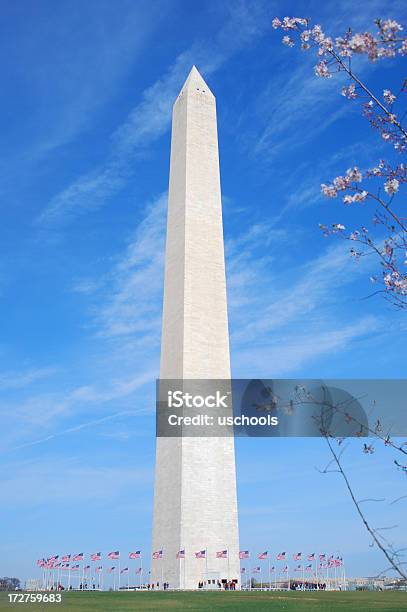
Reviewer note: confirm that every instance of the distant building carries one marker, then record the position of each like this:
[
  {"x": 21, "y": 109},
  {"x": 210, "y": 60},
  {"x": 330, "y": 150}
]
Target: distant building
[
  {"x": 32, "y": 584},
  {"x": 369, "y": 583}
]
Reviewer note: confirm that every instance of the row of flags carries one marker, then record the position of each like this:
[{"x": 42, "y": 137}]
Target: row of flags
[
  {"x": 245, "y": 554},
  {"x": 282, "y": 556},
  {"x": 76, "y": 568},
  {"x": 299, "y": 568},
  {"x": 56, "y": 561}
]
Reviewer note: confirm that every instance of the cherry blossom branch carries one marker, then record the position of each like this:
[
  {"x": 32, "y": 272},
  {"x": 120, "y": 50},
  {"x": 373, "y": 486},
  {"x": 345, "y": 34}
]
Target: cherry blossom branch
[
  {"x": 391, "y": 556},
  {"x": 371, "y": 95}
]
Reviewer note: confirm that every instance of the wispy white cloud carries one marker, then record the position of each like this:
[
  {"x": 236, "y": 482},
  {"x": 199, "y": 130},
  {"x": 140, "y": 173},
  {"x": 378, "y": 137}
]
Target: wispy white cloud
[
  {"x": 284, "y": 354},
  {"x": 94, "y": 423},
  {"x": 19, "y": 380},
  {"x": 284, "y": 318},
  {"x": 151, "y": 117},
  {"x": 39, "y": 416},
  {"x": 132, "y": 305},
  {"x": 314, "y": 286}
]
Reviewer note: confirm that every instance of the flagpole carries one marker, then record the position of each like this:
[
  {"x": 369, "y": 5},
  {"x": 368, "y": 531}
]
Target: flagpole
[
  {"x": 227, "y": 552},
  {"x": 141, "y": 570},
  {"x": 269, "y": 574},
  {"x": 185, "y": 560},
  {"x": 335, "y": 580},
  {"x": 206, "y": 566}
]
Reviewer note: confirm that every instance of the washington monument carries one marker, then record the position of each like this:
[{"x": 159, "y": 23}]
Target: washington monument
[{"x": 195, "y": 506}]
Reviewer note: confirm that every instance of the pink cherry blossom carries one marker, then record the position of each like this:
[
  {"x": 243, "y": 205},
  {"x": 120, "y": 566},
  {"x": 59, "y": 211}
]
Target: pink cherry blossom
[
  {"x": 354, "y": 174},
  {"x": 388, "y": 96},
  {"x": 328, "y": 191},
  {"x": 350, "y": 92},
  {"x": 391, "y": 186},
  {"x": 321, "y": 69},
  {"x": 386, "y": 118},
  {"x": 288, "y": 41}
]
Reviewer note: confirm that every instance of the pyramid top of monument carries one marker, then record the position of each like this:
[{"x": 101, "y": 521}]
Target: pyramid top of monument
[{"x": 195, "y": 81}]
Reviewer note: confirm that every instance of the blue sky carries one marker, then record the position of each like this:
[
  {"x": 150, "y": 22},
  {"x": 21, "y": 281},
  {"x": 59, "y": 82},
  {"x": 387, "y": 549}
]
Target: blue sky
[{"x": 85, "y": 115}]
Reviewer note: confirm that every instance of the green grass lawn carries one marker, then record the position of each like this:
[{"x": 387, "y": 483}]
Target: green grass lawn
[{"x": 231, "y": 601}]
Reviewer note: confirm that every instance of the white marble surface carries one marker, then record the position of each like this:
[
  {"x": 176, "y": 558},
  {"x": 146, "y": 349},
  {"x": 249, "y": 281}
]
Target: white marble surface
[{"x": 195, "y": 504}]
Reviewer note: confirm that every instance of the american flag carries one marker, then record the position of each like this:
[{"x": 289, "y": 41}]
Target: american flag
[
  {"x": 65, "y": 565},
  {"x": 85, "y": 569},
  {"x": 180, "y": 554},
  {"x": 309, "y": 568},
  {"x": 96, "y": 556},
  {"x": 201, "y": 554},
  {"x": 256, "y": 570},
  {"x": 138, "y": 571},
  {"x": 285, "y": 568},
  {"x": 320, "y": 566},
  {"x": 263, "y": 555},
  {"x": 57, "y": 565},
  {"x": 52, "y": 559},
  {"x": 41, "y": 562},
  {"x": 66, "y": 558},
  {"x": 135, "y": 555},
  {"x": 158, "y": 554},
  {"x": 222, "y": 554},
  {"x": 311, "y": 557},
  {"x": 78, "y": 557},
  {"x": 243, "y": 570},
  {"x": 272, "y": 568},
  {"x": 281, "y": 556},
  {"x": 298, "y": 568},
  {"x": 98, "y": 569},
  {"x": 322, "y": 557},
  {"x": 74, "y": 568},
  {"x": 244, "y": 554},
  {"x": 125, "y": 569},
  {"x": 297, "y": 557},
  {"x": 113, "y": 555},
  {"x": 111, "y": 569}
]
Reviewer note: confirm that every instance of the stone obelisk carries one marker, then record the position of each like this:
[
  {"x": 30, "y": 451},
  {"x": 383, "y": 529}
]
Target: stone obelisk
[{"x": 195, "y": 504}]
